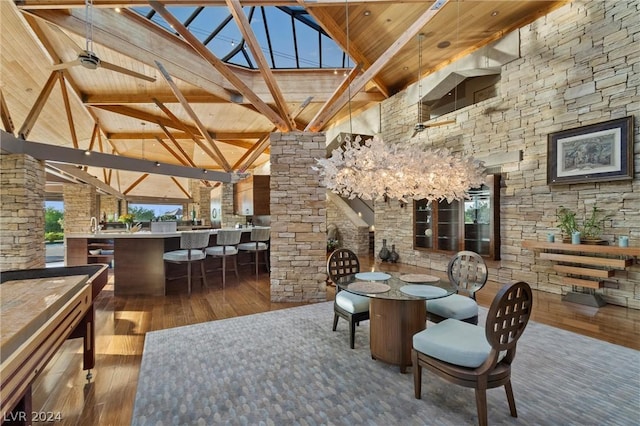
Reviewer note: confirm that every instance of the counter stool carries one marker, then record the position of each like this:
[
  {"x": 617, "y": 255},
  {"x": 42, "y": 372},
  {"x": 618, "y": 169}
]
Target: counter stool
[
  {"x": 227, "y": 241},
  {"x": 192, "y": 245},
  {"x": 259, "y": 243}
]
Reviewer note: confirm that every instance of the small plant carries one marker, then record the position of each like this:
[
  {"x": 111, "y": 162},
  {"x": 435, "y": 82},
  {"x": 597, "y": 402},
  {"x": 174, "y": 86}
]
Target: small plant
[
  {"x": 126, "y": 218},
  {"x": 591, "y": 228},
  {"x": 332, "y": 244}
]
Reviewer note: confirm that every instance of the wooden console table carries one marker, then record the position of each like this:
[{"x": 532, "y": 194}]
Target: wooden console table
[{"x": 586, "y": 265}]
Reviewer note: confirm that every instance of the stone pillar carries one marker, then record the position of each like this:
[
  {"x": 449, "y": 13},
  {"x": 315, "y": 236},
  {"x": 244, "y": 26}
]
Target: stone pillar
[
  {"x": 80, "y": 204},
  {"x": 22, "y": 181},
  {"x": 204, "y": 195},
  {"x": 298, "y": 218},
  {"x": 228, "y": 218}
]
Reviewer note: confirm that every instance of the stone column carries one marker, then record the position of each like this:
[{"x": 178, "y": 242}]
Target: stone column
[
  {"x": 80, "y": 204},
  {"x": 228, "y": 218},
  {"x": 298, "y": 218},
  {"x": 22, "y": 181}
]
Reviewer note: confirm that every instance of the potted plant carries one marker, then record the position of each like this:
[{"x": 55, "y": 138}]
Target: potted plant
[{"x": 591, "y": 228}]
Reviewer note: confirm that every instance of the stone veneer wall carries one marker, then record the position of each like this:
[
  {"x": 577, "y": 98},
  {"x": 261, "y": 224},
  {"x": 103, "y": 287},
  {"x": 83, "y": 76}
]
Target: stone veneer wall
[
  {"x": 298, "y": 218},
  {"x": 202, "y": 198},
  {"x": 579, "y": 65},
  {"x": 80, "y": 204},
  {"x": 22, "y": 181},
  {"x": 108, "y": 205},
  {"x": 353, "y": 232},
  {"x": 228, "y": 218}
]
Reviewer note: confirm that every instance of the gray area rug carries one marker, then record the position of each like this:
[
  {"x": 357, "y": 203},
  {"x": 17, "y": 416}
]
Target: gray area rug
[{"x": 287, "y": 367}]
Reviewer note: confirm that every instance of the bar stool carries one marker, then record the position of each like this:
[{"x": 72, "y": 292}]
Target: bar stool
[
  {"x": 259, "y": 242},
  {"x": 192, "y": 245},
  {"x": 227, "y": 241}
]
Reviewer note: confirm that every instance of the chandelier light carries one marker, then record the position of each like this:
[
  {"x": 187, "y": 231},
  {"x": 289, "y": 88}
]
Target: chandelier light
[{"x": 374, "y": 170}]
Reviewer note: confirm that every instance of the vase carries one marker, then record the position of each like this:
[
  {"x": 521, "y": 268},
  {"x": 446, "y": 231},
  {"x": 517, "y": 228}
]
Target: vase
[
  {"x": 127, "y": 227},
  {"x": 384, "y": 251},
  {"x": 575, "y": 237},
  {"x": 393, "y": 256}
]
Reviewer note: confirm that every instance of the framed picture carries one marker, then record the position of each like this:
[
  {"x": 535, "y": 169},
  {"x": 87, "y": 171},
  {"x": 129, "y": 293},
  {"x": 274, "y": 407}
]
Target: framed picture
[{"x": 595, "y": 153}]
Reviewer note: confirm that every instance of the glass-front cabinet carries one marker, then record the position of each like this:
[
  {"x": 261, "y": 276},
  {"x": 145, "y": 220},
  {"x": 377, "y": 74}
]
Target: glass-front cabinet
[{"x": 470, "y": 224}]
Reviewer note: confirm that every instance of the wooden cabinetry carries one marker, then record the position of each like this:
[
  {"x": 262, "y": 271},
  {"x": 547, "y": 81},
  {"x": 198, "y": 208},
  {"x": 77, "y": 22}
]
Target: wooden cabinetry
[
  {"x": 584, "y": 265},
  {"x": 470, "y": 224},
  {"x": 251, "y": 196}
]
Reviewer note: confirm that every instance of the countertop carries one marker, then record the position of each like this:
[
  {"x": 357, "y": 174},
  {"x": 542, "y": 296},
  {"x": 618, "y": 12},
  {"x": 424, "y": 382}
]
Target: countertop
[{"x": 139, "y": 234}]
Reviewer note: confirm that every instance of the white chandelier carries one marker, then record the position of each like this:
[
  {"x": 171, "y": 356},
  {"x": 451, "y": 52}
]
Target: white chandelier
[{"x": 376, "y": 171}]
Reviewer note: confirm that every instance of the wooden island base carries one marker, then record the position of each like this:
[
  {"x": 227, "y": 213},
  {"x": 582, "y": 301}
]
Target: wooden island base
[{"x": 393, "y": 324}]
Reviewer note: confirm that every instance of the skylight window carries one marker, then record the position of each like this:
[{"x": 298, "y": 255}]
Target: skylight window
[{"x": 288, "y": 36}]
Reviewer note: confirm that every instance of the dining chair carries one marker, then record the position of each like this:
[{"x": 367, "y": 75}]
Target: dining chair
[
  {"x": 260, "y": 236},
  {"x": 227, "y": 241},
  {"x": 467, "y": 272},
  {"x": 474, "y": 356},
  {"x": 192, "y": 245},
  {"x": 351, "y": 307}
]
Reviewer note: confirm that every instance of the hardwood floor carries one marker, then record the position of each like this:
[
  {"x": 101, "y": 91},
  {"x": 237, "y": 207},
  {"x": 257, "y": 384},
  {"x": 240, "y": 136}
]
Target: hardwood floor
[{"x": 122, "y": 323}]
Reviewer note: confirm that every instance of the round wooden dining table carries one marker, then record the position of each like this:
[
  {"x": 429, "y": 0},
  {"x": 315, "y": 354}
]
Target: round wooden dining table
[{"x": 397, "y": 309}]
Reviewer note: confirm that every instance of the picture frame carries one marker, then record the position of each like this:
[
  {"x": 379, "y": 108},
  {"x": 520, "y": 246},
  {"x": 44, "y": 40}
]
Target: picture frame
[{"x": 594, "y": 153}]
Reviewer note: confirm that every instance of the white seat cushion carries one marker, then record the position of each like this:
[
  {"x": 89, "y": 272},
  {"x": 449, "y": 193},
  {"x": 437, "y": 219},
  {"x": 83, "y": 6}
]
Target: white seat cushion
[
  {"x": 217, "y": 250},
  {"x": 455, "y": 306},
  {"x": 183, "y": 255},
  {"x": 252, "y": 246},
  {"x": 455, "y": 342},
  {"x": 352, "y": 303}
]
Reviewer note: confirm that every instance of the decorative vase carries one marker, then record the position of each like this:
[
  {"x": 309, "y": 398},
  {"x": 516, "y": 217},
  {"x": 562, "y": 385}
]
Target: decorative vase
[
  {"x": 393, "y": 256},
  {"x": 384, "y": 251},
  {"x": 127, "y": 226},
  {"x": 575, "y": 237}
]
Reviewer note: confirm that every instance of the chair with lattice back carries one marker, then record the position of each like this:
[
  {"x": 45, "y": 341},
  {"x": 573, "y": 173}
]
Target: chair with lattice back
[
  {"x": 468, "y": 273},
  {"x": 351, "y": 307},
  {"x": 474, "y": 356}
]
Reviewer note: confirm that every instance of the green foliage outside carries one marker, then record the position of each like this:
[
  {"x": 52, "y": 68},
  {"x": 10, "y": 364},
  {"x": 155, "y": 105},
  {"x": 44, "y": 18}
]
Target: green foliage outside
[
  {"x": 50, "y": 237},
  {"x": 141, "y": 214},
  {"x": 52, "y": 220}
]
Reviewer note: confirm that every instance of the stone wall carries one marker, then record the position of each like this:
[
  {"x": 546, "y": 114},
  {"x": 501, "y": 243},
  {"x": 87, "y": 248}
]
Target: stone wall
[
  {"x": 298, "y": 218},
  {"x": 228, "y": 217},
  {"x": 22, "y": 181},
  {"x": 353, "y": 232},
  {"x": 80, "y": 205},
  {"x": 579, "y": 65}
]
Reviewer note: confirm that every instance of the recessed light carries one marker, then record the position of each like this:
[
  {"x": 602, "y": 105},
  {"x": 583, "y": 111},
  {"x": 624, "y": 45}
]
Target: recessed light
[
  {"x": 495, "y": 13},
  {"x": 367, "y": 13},
  {"x": 118, "y": 9},
  {"x": 444, "y": 44},
  {"x": 87, "y": 152},
  {"x": 405, "y": 68}
]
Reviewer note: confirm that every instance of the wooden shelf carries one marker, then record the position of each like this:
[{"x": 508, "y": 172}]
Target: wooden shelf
[
  {"x": 590, "y": 260},
  {"x": 589, "y": 272},
  {"x": 583, "y": 248}
]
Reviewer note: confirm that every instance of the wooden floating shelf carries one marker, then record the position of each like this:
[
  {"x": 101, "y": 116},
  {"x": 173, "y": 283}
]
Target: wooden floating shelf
[
  {"x": 582, "y": 248},
  {"x": 598, "y": 273},
  {"x": 588, "y": 260},
  {"x": 582, "y": 283}
]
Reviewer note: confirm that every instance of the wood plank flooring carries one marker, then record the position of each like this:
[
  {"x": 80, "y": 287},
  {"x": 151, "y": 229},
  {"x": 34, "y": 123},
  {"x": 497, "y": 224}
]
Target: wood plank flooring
[{"x": 121, "y": 324}]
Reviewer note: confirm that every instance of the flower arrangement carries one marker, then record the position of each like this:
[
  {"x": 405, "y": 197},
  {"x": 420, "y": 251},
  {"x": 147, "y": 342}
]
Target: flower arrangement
[{"x": 126, "y": 218}]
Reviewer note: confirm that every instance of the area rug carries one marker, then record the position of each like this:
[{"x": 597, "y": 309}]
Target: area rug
[{"x": 288, "y": 367}]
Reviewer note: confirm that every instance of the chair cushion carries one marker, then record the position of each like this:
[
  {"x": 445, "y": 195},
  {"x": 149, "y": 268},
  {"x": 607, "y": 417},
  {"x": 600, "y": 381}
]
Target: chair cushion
[
  {"x": 183, "y": 255},
  {"x": 455, "y": 342},
  {"x": 454, "y": 306},
  {"x": 352, "y": 303},
  {"x": 252, "y": 246},
  {"x": 217, "y": 250}
]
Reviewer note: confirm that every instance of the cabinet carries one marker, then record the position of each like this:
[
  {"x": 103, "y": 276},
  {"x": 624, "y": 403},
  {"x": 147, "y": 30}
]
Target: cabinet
[
  {"x": 469, "y": 224},
  {"x": 251, "y": 196}
]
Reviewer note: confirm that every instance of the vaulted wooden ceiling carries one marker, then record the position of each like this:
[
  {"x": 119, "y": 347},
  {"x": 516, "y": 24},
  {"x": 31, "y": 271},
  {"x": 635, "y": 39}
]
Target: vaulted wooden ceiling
[{"x": 200, "y": 111}]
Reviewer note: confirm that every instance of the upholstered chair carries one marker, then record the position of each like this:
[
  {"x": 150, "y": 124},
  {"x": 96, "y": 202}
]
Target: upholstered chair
[
  {"x": 227, "y": 241},
  {"x": 192, "y": 245},
  {"x": 474, "y": 356},
  {"x": 260, "y": 236},
  {"x": 467, "y": 271}
]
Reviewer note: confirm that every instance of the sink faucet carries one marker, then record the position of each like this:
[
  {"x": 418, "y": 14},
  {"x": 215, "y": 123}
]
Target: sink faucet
[{"x": 94, "y": 225}]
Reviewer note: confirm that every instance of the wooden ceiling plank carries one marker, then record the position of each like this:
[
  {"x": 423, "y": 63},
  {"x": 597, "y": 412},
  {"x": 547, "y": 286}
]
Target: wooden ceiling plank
[
  {"x": 136, "y": 183},
  {"x": 7, "y": 122},
  {"x": 265, "y": 70},
  {"x": 67, "y": 4},
  {"x": 186, "y": 156},
  {"x": 220, "y": 66},
  {"x": 329, "y": 111},
  {"x": 224, "y": 137},
  {"x": 35, "y": 111},
  {"x": 94, "y": 134},
  {"x": 201, "y": 128},
  {"x": 172, "y": 152},
  {"x": 339, "y": 36},
  {"x": 67, "y": 108}
]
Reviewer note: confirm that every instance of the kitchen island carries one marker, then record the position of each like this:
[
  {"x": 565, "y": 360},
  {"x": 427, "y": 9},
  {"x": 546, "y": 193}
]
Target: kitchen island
[{"x": 138, "y": 267}]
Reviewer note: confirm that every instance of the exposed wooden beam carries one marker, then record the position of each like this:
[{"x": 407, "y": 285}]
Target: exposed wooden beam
[
  {"x": 329, "y": 111},
  {"x": 136, "y": 183},
  {"x": 184, "y": 191},
  {"x": 145, "y": 98},
  {"x": 67, "y": 108},
  {"x": 265, "y": 69},
  {"x": 220, "y": 66},
  {"x": 174, "y": 154},
  {"x": 201, "y": 128},
  {"x": 224, "y": 137},
  {"x": 185, "y": 159},
  {"x": 66, "y": 4},
  {"x": 7, "y": 122},
  {"x": 36, "y": 109}
]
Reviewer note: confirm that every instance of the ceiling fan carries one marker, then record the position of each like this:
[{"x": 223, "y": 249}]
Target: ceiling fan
[
  {"x": 420, "y": 126},
  {"x": 87, "y": 58}
]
